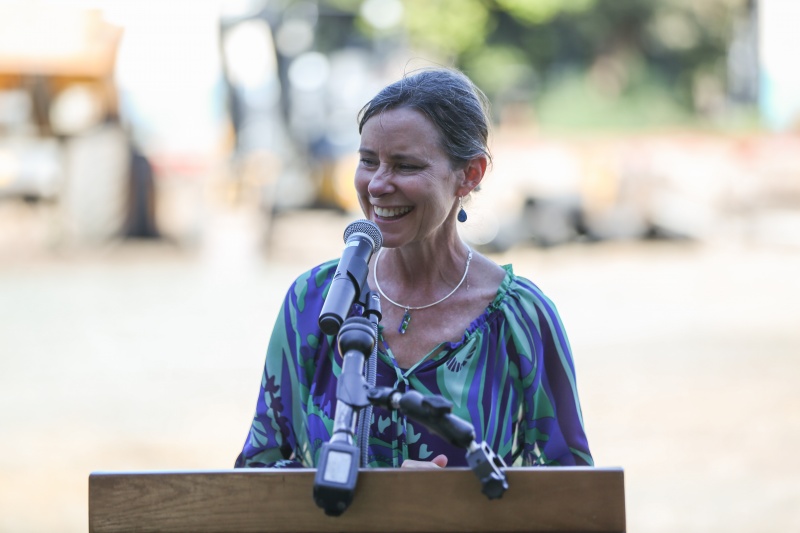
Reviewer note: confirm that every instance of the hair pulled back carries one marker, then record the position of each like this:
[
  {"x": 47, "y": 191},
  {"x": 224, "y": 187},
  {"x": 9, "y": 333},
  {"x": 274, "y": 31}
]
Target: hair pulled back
[{"x": 457, "y": 108}]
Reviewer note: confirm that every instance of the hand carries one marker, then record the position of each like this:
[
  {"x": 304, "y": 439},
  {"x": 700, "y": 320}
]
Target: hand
[{"x": 440, "y": 461}]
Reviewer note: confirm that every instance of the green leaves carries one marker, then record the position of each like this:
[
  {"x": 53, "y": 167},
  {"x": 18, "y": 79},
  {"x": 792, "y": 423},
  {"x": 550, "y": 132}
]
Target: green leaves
[
  {"x": 447, "y": 27},
  {"x": 541, "y": 11},
  {"x": 638, "y": 62}
]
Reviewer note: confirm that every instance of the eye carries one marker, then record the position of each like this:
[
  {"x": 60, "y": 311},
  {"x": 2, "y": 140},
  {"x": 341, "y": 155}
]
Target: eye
[{"x": 367, "y": 162}]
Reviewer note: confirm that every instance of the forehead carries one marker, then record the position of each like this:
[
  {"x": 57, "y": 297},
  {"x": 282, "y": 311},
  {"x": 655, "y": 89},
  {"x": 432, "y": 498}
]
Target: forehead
[{"x": 399, "y": 128}]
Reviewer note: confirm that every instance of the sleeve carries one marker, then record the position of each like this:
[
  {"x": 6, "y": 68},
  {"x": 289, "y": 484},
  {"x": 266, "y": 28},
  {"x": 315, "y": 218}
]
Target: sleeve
[
  {"x": 278, "y": 436},
  {"x": 553, "y": 422}
]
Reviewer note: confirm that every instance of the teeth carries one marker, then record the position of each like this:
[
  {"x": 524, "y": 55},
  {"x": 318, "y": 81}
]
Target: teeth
[{"x": 389, "y": 212}]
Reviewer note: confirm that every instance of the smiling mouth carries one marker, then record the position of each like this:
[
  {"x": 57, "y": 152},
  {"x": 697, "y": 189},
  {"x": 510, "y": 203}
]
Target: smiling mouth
[{"x": 390, "y": 212}]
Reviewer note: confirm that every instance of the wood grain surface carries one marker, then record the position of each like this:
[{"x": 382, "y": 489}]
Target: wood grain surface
[{"x": 262, "y": 500}]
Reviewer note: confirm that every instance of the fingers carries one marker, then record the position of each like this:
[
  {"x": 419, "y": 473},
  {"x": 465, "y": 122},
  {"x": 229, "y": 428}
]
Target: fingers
[
  {"x": 440, "y": 461},
  {"x": 411, "y": 463}
]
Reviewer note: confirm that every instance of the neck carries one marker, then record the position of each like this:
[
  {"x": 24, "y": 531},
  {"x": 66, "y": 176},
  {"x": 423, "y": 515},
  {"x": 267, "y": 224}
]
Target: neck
[
  {"x": 422, "y": 268},
  {"x": 420, "y": 295}
]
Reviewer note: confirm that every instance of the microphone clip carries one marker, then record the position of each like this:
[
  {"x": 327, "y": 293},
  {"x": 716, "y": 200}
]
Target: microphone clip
[{"x": 435, "y": 412}]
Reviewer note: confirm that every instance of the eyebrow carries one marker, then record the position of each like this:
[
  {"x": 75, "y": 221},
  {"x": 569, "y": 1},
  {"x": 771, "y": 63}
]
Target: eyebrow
[{"x": 395, "y": 157}]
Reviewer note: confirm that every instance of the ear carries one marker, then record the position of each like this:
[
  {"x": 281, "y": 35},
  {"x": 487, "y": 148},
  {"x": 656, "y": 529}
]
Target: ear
[{"x": 472, "y": 175}]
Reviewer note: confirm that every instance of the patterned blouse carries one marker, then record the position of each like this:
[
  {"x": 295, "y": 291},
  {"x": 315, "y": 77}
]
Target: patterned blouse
[{"x": 511, "y": 376}]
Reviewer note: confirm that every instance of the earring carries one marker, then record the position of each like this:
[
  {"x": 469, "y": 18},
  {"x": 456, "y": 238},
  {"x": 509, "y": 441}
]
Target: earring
[{"x": 462, "y": 215}]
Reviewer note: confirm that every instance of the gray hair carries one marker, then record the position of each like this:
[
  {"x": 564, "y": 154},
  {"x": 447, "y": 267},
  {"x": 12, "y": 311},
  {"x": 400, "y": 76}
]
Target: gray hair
[{"x": 458, "y": 109}]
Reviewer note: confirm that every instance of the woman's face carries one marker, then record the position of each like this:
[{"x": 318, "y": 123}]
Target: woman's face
[{"x": 405, "y": 181}]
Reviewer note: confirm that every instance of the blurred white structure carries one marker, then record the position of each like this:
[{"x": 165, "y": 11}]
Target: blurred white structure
[
  {"x": 60, "y": 141},
  {"x": 779, "y": 91}
]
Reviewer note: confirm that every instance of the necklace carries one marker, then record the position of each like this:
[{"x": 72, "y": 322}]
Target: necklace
[{"x": 407, "y": 315}]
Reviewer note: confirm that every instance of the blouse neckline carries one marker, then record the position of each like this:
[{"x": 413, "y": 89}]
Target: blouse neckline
[{"x": 446, "y": 346}]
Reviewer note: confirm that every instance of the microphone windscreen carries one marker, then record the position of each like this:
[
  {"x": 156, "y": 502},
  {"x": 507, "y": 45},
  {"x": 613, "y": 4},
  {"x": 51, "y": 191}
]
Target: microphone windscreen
[{"x": 367, "y": 228}]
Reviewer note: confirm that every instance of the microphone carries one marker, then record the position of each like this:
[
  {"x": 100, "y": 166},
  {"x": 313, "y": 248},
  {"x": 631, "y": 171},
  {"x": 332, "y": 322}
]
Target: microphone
[{"x": 362, "y": 238}]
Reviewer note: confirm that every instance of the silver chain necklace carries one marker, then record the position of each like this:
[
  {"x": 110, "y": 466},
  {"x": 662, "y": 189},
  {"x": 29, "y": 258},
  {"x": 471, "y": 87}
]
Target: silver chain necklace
[{"x": 407, "y": 315}]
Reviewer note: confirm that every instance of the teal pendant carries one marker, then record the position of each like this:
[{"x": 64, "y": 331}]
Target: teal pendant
[{"x": 404, "y": 323}]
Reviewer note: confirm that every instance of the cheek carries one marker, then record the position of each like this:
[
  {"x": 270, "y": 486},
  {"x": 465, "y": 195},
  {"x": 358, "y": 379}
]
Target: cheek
[{"x": 361, "y": 183}]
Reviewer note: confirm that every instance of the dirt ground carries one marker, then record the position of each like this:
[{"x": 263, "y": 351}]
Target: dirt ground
[{"x": 147, "y": 356}]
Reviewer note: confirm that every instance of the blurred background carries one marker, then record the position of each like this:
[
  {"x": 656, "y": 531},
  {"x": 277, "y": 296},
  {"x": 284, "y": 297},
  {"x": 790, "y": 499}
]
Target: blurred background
[{"x": 168, "y": 167}]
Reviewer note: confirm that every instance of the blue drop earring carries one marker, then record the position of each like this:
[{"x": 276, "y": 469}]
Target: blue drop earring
[{"x": 462, "y": 215}]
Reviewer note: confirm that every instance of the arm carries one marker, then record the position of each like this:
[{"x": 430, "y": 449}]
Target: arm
[
  {"x": 279, "y": 435},
  {"x": 553, "y": 423},
  {"x": 271, "y": 440}
]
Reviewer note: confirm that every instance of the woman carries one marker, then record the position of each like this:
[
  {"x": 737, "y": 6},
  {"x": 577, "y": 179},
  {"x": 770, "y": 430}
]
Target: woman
[{"x": 454, "y": 323}]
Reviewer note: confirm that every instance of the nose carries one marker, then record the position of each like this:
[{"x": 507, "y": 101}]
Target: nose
[{"x": 380, "y": 182}]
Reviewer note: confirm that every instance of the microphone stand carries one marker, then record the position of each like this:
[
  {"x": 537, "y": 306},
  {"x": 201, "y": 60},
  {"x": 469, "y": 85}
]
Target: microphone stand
[
  {"x": 435, "y": 412},
  {"x": 337, "y": 471},
  {"x": 335, "y": 479}
]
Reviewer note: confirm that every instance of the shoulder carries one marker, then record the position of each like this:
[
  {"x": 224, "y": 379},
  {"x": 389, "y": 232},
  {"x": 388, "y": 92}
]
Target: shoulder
[
  {"x": 313, "y": 283},
  {"x": 516, "y": 296},
  {"x": 319, "y": 276},
  {"x": 524, "y": 296},
  {"x": 486, "y": 275},
  {"x": 530, "y": 317}
]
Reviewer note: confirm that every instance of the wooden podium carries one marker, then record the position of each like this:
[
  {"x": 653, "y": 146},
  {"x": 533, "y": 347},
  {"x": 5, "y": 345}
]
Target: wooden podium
[{"x": 262, "y": 500}]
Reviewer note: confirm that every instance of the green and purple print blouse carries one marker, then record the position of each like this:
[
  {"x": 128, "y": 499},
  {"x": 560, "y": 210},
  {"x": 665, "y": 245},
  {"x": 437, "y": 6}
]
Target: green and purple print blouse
[{"x": 511, "y": 376}]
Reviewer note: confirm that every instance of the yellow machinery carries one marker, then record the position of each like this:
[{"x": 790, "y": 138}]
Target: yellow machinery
[{"x": 60, "y": 137}]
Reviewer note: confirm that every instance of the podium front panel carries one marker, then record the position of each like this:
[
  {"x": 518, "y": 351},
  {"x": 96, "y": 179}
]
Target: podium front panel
[{"x": 271, "y": 500}]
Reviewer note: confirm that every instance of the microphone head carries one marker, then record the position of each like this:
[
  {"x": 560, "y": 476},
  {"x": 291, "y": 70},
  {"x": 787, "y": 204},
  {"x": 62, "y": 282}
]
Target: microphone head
[{"x": 365, "y": 227}]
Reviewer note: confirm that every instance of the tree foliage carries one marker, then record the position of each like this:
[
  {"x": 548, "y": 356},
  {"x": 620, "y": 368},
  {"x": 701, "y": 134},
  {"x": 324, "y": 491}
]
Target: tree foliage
[
  {"x": 541, "y": 11},
  {"x": 526, "y": 49}
]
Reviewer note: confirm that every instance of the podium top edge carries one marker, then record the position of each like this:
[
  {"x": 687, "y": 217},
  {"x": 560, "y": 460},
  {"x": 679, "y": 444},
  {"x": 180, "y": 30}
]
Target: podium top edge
[{"x": 262, "y": 471}]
